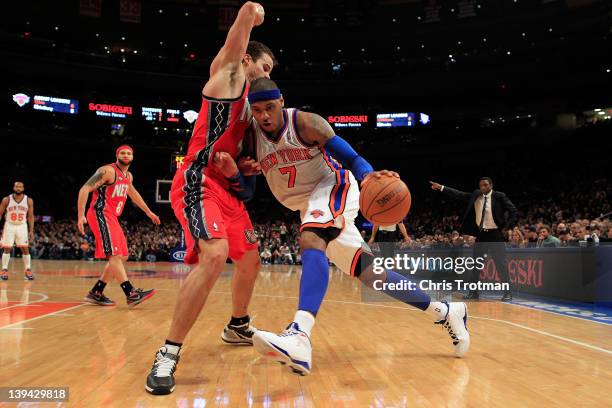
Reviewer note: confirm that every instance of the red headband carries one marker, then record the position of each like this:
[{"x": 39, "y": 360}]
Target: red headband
[{"x": 124, "y": 147}]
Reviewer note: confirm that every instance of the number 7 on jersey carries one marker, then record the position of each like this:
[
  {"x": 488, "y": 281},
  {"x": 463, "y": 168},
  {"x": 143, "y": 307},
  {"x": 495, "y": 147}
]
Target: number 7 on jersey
[{"x": 291, "y": 171}]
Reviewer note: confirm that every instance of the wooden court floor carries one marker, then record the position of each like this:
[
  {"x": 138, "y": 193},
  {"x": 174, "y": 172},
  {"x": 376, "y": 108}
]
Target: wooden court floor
[{"x": 365, "y": 354}]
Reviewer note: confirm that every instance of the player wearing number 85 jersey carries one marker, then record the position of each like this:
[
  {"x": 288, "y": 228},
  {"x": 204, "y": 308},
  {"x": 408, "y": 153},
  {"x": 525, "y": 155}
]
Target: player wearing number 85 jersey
[
  {"x": 19, "y": 209},
  {"x": 111, "y": 186}
]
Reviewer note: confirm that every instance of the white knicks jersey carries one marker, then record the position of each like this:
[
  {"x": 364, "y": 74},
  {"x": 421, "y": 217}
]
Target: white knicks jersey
[
  {"x": 17, "y": 212},
  {"x": 291, "y": 167}
]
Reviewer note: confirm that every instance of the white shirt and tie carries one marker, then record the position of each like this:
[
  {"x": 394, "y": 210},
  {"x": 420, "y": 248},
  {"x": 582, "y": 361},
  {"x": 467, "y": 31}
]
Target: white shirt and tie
[{"x": 488, "y": 222}]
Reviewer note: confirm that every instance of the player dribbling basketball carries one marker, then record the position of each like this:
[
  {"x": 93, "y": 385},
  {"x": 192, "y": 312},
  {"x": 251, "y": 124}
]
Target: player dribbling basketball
[{"x": 311, "y": 170}]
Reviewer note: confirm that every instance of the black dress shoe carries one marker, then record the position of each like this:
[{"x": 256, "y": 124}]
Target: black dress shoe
[
  {"x": 472, "y": 295},
  {"x": 507, "y": 297}
]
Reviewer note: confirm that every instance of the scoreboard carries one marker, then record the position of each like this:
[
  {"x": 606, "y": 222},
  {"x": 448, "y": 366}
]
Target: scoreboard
[
  {"x": 403, "y": 119},
  {"x": 54, "y": 104},
  {"x": 152, "y": 114}
]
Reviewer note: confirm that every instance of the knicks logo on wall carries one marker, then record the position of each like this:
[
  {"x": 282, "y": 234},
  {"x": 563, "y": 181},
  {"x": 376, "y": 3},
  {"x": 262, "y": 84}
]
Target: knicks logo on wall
[
  {"x": 250, "y": 235},
  {"x": 317, "y": 213},
  {"x": 21, "y": 99}
]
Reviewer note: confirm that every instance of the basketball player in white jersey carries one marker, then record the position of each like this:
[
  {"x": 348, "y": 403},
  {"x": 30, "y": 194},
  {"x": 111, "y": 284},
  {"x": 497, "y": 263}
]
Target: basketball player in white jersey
[
  {"x": 311, "y": 170},
  {"x": 18, "y": 228}
]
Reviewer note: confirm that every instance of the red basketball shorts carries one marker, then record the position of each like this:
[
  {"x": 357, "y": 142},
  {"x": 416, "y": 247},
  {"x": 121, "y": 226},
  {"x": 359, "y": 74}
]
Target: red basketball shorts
[
  {"x": 110, "y": 239},
  {"x": 207, "y": 211}
]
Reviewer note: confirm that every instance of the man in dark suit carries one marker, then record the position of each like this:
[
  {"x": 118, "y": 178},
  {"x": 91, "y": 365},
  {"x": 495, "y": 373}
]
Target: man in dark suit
[{"x": 485, "y": 218}]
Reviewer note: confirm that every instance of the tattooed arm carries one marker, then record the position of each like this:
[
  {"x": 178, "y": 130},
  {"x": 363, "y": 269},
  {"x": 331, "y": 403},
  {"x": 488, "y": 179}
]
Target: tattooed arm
[{"x": 104, "y": 175}]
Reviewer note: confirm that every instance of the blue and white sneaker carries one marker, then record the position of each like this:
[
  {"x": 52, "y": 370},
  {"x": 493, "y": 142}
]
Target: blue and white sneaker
[
  {"x": 455, "y": 322},
  {"x": 292, "y": 347}
]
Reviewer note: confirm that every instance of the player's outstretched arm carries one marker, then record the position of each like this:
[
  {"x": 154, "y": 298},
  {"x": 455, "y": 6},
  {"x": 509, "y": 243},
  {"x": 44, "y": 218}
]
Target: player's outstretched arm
[
  {"x": 104, "y": 175},
  {"x": 3, "y": 205},
  {"x": 315, "y": 130},
  {"x": 140, "y": 203},
  {"x": 228, "y": 62},
  {"x": 30, "y": 219}
]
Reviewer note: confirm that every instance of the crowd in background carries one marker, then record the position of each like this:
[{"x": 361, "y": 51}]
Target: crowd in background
[{"x": 570, "y": 218}]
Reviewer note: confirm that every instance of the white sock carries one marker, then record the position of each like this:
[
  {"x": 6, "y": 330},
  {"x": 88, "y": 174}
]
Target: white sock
[
  {"x": 305, "y": 321},
  {"x": 172, "y": 349},
  {"x": 5, "y": 260},
  {"x": 27, "y": 261},
  {"x": 437, "y": 309}
]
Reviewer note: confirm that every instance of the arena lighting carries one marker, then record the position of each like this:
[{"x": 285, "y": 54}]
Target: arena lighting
[{"x": 597, "y": 109}]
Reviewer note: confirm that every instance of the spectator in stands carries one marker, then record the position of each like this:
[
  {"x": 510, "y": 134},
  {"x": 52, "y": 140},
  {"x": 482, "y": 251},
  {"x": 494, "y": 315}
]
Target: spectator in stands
[
  {"x": 266, "y": 255},
  {"x": 286, "y": 257},
  {"x": 516, "y": 239},
  {"x": 546, "y": 239},
  {"x": 566, "y": 238},
  {"x": 531, "y": 235}
]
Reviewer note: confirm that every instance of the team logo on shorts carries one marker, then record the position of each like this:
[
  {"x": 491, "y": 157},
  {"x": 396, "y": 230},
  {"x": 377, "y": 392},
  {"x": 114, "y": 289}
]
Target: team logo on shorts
[
  {"x": 317, "y": 213},
  {"x": 250, "y": 235}
]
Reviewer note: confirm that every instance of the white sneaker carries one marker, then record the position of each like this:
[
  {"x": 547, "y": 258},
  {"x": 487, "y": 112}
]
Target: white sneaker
[
  {"x": 455, "y": 322},
  {"x": 292, "y": 347}
]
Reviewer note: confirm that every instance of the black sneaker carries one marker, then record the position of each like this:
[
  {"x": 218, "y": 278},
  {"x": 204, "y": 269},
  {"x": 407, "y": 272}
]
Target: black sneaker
[
  {"x": 98, "y": 298},
  {"x": 4, "y": 274},
  {"x": 138, "y": 296},
  {"x": 242, "y": 334},
  {"x": 160, "y": 380},
  {"x": 29, "y": 275}
]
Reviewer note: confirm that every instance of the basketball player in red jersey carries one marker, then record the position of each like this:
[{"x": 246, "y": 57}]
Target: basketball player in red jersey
[
  {"x": 208, "y": 205},
  {"x": 111, "y": 186}
]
